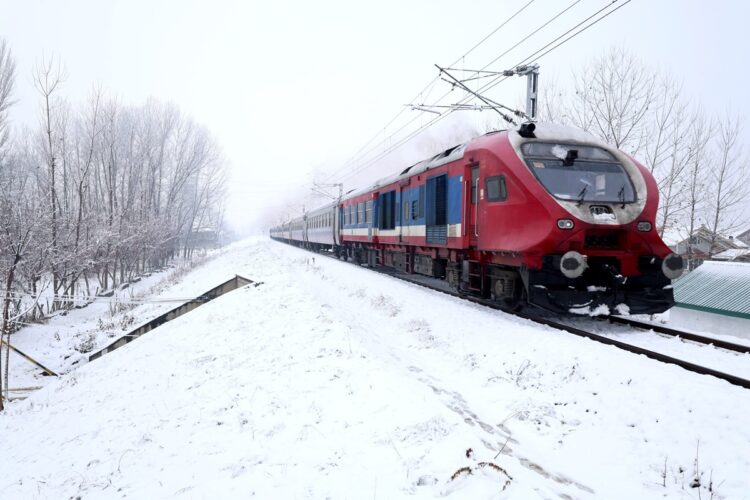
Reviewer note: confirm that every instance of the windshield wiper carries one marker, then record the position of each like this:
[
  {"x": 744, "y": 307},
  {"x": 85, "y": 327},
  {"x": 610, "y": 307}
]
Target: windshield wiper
[
  {"x": 621, "y": 196},
  {"x": 582, "y": 194}
]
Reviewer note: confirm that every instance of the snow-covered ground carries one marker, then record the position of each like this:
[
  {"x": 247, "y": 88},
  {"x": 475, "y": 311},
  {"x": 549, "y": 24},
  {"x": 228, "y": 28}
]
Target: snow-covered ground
[
  {"x": 67, "y": 340},
  {"x": 331, "y": 381},
  {"x": 733, "y": 363}
]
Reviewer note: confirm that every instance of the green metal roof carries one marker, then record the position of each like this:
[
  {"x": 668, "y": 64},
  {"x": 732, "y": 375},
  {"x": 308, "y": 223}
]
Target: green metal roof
[{"x": 717, "y": 287}]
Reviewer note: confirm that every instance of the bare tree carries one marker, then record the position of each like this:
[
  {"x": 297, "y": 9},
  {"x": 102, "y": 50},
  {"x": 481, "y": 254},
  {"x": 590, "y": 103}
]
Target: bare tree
[
  {"x": 728, "y": 186},
  {"x": 9, "y": 256},
  {"x": 553, "y": 102},
  {"x": 612, "y": 99},
  {"x": 103, "y": 191},
  {"x": 48, "y": 77},
  {"x": 670, "y": 171},
  {"x": 701, "y": 132},
  {"x": 7, "y": 80}
]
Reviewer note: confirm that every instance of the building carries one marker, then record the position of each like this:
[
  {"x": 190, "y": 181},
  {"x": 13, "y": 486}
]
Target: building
[
  {"x": 714, "y": 298},
  {"x": 734, "y": 254},
  {"x": 743, "y": 236},
  {"x": 702, "y": 245}
]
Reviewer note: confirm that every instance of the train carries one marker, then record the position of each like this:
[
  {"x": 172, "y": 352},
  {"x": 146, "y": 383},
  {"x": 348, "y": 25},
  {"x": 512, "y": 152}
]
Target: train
[{"x": 543, "y": 215}]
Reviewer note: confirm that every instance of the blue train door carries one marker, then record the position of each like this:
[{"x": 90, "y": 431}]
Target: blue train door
[{"x": 437, "y": 209}]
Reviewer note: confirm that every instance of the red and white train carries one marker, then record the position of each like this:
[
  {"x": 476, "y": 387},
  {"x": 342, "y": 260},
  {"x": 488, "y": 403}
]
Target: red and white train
[{"x": 544, "y": 215}]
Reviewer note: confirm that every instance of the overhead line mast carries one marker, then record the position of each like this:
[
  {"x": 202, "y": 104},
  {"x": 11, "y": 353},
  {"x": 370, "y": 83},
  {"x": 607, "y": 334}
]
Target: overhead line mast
[
  {"x": 531, "y": 71},
  {"x": 495, "y": 80}
]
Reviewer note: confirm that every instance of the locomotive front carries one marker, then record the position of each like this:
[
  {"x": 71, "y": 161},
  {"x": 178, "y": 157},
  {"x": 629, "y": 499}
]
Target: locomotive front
[{"x": 603, "y": 253}]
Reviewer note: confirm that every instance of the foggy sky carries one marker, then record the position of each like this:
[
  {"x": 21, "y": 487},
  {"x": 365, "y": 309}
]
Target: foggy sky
[{"x": 289, "y": 88}]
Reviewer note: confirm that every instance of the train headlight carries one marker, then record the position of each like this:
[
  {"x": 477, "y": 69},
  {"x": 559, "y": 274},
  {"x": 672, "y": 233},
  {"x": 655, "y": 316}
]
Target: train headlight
[
  {"x": 644, "y": 226},
  {"x": 565, "y": 224},
  {"x": 672, "y": 266},
  {"x": 573, "y": 264}
]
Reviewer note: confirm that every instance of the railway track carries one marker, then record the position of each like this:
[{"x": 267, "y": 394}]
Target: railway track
[
  {"x": 441, "y": 286},
  {"x": 693, "y": 337}
]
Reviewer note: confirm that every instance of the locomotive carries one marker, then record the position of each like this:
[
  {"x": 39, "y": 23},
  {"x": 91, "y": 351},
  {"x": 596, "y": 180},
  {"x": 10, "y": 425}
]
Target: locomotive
[{"x": 543, "y": 215}]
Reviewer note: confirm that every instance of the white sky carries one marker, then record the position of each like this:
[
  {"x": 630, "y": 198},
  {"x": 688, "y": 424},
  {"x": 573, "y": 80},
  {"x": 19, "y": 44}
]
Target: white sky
[{"x": 289, "y": 87}]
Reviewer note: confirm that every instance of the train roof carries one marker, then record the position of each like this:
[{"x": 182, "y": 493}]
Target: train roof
[{"x": 543, "y": 132}]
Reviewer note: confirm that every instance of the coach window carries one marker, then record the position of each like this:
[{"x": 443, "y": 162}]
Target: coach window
[
  {"x": 496, "y": 190},
  {"x": 368, "y": 212},
  {"x": 362, "y": 212}
]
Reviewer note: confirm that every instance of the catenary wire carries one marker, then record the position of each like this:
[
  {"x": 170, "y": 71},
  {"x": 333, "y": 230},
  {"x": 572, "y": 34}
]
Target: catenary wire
[
  {"x": 342, "y": 171},
  {"x": 492, "y": 84},
  {"x": 429, "y": 86}
]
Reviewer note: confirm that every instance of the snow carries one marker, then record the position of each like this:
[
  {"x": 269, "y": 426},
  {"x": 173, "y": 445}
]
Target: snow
[
  {"x": 604, "y": 217},
  {"x": 69, "y": 338},
  {"x": 736, "y": 270},
  {"x": 560, "y": 152},
  {"x": 706, "y": 355},
  {"x": 599, "y": 310},
  {"x": 331, "y": 381},
  {"x": 732, "y": 254}
]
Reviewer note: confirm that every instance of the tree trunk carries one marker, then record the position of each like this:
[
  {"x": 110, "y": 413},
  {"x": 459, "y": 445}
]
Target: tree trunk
[{"x": 5, "y": 332}]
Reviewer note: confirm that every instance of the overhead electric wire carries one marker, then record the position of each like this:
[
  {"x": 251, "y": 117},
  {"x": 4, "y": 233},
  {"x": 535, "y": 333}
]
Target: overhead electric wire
[
  {"x": 498, "y": 79},
  {"x": 351, "y": 160},
  {"x": 429, "y": 85},
  {"x": 536, "y": 58}
]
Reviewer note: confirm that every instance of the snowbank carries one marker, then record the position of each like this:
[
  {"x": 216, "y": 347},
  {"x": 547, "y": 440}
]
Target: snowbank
[{"x": 334, "y": 381}]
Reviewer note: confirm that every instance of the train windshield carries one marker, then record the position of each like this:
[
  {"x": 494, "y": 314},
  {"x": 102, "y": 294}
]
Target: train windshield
[{"x": 579, "y": 173}]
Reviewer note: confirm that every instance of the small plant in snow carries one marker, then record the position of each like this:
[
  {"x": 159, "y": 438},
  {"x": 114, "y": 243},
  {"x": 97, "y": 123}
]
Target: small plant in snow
[
  {"x": 105, "y": 326},
  {"x": 86, "y": 343},
  {"x": 125, "y": 321},
  {"x": 696, "y": 480},
  {"x": 489, "y": 470},
  {"x": 386, "y": 304},
  {"x": 523, "y": 374}
]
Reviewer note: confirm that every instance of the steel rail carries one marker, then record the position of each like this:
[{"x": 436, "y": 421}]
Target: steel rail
[
  {"x": 694, "y": 337},
  {"x": 695, "y": 368}
]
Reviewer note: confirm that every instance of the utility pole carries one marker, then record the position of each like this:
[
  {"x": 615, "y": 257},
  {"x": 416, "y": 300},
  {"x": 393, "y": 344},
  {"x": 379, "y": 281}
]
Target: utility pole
[
  {"x": 319, "y": 188},
  {"x": 532, "y": 87},
  {"x": 530, "y": 71}
]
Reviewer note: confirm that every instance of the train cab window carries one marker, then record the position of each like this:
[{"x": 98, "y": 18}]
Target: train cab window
[
  {"x": 496, "y": 189},
  {"x": 362, "y": 212},
  {"x": 368, "y": 212},
  {"x": 414, "y": 209},
  {"x": 579, "y": 172}
]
